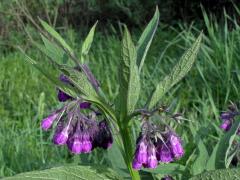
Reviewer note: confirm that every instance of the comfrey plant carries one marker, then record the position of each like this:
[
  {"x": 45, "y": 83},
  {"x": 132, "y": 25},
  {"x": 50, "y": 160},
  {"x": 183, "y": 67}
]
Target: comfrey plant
[{"x": 87, "y": 119}]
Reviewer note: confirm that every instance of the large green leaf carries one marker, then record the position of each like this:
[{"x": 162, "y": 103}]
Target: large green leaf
[
  {"x": 167, "y": 169},
  {"x": 56, "y": 35},
  {"x": 221, "y": 174},
  {"x": 178, "y": 72},
  {"x": 70, "y": 173},
  {"x": 145, "y": 40},
  {"x": 87, "y": 43},
  {"x": 129, "y": 76}
]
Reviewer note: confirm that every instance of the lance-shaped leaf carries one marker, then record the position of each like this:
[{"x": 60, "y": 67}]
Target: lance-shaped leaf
[
  {"x": 178, "y": 72},
  {"x": 56, "y": 35},
  {"x": 128, "y": 76},
  {"x": 70, "y": 173},
  {"x": 53, "y": 50},
  {"x": 221, "y": 174},
  {"x": 145, "y": 40},
  {"x": 87, "y": 42}
]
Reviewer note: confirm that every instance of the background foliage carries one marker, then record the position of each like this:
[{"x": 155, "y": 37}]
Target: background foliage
[{"x": 26, "y": 97}]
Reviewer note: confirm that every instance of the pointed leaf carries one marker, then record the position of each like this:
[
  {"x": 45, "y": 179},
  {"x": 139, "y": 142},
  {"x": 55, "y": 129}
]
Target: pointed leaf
[
  {"x": 70, "y": 173},
  {"x": 129, "y": 76},
  {"x": 54, "y": 52},
  {"x": 56, "y": 35},
  {"x": 146, "y": 39},
  {"x": 178, "y": 72},
  {"x": 87, "y": 42}
]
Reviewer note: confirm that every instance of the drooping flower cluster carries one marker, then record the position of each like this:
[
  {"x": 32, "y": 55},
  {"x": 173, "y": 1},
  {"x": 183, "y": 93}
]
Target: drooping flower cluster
[
  {"x": 81, "y": 133},
  {"x": 227, "y": 118},
  {"x": 152, "y": 150}
]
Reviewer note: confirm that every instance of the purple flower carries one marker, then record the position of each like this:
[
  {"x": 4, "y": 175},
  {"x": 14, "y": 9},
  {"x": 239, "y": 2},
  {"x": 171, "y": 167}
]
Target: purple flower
[
  {"x": 152, "y": 161},
  {"x": 62, "y": 137},
  {"x": 85, "y": 105},
  {"x": 48, "y": 121},
  {"x": 141, "y": 154},
  {"x": 86, "y": 143},
  {"x": 226, "y": 125},
  {"x": 62, "y": 96},
  {"x": 136, "y": 165},
  {"x": 62, "y": 133},
  {"x": 74, "y": 143},
  {"x": 164, "y": 153},
  {"x": 64, "y": 79},
  {"x": 103, "y": 137},
  {"x": 227, "y": 115},
  {"x": 176, "y": 145}
]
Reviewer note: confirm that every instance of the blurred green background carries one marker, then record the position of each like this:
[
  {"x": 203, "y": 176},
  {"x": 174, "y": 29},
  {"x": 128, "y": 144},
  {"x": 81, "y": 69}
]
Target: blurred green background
[{"x": 26, "y": 96}]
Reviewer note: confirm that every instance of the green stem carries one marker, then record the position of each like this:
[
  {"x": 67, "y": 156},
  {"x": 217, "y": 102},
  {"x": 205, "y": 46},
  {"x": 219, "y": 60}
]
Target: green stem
[{"x": 128, "y": 149}]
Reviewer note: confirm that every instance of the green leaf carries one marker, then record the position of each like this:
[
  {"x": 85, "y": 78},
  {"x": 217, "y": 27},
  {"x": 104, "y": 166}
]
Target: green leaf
[
  {"x": 145, "y": 40},
  {"x": 87, "y": 42},
  {"x": 211, "y": 162},
  {"x": 70, "y": 173},
  {"x": 80, "y": 81},
  {"x": 178, "y": 72},
  {"x": 221, "y": 174},
  {"x": 53, "y": 51},
  {"x": 167, "y": 169},
  {"x": 225, "y": 144},
  {"x": 200, "y": 163},
  {"x": 56, "y": 35},
  {"x": 129, "y": 76}
]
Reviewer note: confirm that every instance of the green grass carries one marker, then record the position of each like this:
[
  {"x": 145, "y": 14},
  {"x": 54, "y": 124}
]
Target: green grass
[{"x": 26, "y": 96}]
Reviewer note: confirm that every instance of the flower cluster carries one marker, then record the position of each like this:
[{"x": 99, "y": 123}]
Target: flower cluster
[
  {"x": 228, "y": 118},
  {"x": 152, "y": 149},
  {"x": 80, "y": 132}
]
